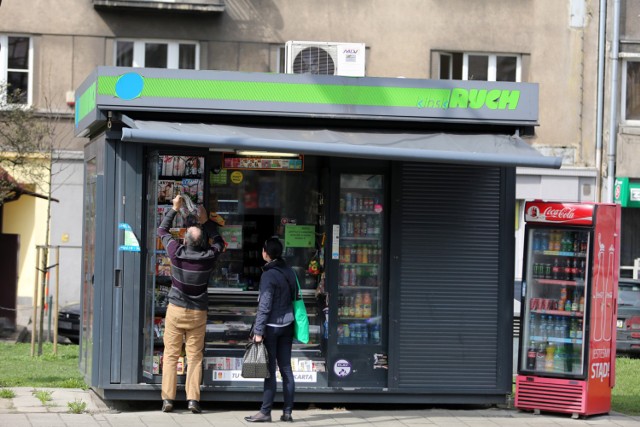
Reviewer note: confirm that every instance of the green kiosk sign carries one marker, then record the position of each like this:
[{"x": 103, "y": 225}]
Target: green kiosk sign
[{"x": 627, "y": 192}]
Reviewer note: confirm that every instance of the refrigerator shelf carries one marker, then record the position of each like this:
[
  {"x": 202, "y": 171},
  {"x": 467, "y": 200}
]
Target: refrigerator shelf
[
  {"x": 359, "y": 288},
  {"x": 560, "y": 282},
  {"x": 559, "y": 313},
  {"x": 562, "y": 253},
  {"x": 557, "y": 340},
  {"x": 376, "y": 238}
]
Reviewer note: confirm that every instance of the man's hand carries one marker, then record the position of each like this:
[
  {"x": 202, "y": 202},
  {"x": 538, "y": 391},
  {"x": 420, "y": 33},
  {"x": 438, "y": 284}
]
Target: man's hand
[
  {"x": 202, "y": 214},
  {"x": 177, "y": 203},
  {"x": 257, "y": 338}
]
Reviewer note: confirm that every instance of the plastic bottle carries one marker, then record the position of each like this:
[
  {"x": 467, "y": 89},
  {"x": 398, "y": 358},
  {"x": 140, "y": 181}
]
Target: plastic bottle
[
  {"x": 556, "y": 269},
  {"x": 567, "y": 305},
  {"x": 366, "y": 305},
  {"x": 358, "y": 303},
  {"x": 543, "y": 327},
  {"x": 548, "y": 360},
  {"x": 558, "y": 360},
  {"x": 579, "y": 330},
  {"x": 540, "y": 357},
  {"x": 531, "y": 356},
  {"x": 558, "y": 327},
  {"x": 572, "y": 328},
  {"x": 581, "y": 304},
  {"x": 533, "y": 325}
]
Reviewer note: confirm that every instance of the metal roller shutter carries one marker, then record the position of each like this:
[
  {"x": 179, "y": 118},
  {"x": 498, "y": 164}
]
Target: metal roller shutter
[{"x": 449, "y": 265}]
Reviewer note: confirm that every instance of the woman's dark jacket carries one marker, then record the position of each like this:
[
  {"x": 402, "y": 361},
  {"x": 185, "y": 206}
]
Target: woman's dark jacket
[{"x": 277, "y": 289}]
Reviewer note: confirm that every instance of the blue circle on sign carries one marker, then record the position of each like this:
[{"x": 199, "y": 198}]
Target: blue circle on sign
[{"x": 129, "y": 86}]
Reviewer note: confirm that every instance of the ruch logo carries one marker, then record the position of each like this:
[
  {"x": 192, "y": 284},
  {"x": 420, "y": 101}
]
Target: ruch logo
[{"x": 474, "y": 99}]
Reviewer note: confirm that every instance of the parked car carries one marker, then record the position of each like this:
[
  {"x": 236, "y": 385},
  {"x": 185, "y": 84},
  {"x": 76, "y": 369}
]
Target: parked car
[
  {"x": 69, "y": 322},
  {"x": 628, "y": 325}
]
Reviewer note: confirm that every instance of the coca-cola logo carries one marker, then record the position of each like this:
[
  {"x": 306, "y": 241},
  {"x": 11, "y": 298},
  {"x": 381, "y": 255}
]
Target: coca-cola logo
[{"x": 564, "y": 213}]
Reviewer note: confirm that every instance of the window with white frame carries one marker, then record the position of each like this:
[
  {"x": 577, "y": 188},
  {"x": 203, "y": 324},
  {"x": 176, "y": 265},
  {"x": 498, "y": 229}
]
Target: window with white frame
[
  {"x": 480, "y": 66},
  {"x": 16, "y": 64},
  {"x": 631, "y": 92},
  {"x": 157, "y": 54}
]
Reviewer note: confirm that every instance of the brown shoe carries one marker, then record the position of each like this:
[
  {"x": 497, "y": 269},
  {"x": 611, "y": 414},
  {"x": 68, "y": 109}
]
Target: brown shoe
[{"x": 258, "y": 418}]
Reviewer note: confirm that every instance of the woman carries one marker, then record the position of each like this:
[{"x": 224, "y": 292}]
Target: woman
[{"x": 274, "y": 325}]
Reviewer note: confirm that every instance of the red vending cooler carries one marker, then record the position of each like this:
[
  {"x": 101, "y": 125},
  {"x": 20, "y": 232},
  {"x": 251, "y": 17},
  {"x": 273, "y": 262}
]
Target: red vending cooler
[{"x": 568, "y": 318}]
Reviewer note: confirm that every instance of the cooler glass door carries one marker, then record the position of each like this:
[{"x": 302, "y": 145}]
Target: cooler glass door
[
  {"x": 553, "y": 304},
  {"x": 360, "y": 259}
]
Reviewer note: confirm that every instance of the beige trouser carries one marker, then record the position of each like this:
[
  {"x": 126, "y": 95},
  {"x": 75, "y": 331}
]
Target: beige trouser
[{"x": 190, "y": 326}]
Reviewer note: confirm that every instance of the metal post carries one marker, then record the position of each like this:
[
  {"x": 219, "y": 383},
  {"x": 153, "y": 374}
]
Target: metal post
[
  {"x": 34, "y": 316},
  {"x": 57, "y": 307}
]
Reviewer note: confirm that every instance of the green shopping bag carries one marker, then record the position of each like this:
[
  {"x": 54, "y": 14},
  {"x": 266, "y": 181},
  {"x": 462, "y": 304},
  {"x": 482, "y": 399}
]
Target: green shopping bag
[{"x": 301, "y": 322}]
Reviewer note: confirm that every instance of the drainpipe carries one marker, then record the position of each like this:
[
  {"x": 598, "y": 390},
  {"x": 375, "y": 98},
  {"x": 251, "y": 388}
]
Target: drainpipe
[
  {"x": 613, "y": 128},
  {"x": 602, "y": 28}
]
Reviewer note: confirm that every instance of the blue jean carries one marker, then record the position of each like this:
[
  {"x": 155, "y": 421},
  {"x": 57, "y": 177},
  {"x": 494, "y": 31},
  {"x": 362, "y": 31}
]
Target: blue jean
[{"x": 278, "y": 342}]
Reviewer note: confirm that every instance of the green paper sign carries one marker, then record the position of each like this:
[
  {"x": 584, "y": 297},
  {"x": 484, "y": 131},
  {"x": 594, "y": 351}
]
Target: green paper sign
[{"x": 300, "y": 236}]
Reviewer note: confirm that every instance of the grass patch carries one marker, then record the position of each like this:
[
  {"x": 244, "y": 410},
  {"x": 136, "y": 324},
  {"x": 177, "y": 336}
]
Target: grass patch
[
  {"x": 19, "y": 369},
  {"x": 626, "y": 393},
  {"x": 43, "y": 396},
  {"x": 77, "y": 406},
  {"x": 6, "y": 393}
]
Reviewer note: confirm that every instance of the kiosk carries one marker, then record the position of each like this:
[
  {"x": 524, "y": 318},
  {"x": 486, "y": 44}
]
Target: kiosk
[{"x": 394, "y": 198}]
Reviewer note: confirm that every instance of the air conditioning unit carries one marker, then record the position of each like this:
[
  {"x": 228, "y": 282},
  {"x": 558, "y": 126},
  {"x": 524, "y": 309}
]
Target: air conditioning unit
[{"x": 339, "y": 59}]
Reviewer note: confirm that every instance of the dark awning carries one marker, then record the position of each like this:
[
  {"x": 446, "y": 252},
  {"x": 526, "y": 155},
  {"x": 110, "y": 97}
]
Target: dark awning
[{"x": 477, "y": 149}]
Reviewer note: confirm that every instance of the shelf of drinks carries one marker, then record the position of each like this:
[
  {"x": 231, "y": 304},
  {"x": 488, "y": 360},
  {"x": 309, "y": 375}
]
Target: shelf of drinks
[
  {"x": 579, "y": 282},
  {"x": 361, "y": 238},
  {"x": 364, "y": 264},
  {"x": 562, "y": 254},
  {"x": 360, "y": 213},
  {"x": 559, "y": 313},
  {"x": 556, "y": 340}
]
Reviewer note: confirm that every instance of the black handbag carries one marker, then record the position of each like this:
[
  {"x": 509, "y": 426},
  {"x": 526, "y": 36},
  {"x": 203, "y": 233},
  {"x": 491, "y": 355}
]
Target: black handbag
[{"x": 255, "y": 363}]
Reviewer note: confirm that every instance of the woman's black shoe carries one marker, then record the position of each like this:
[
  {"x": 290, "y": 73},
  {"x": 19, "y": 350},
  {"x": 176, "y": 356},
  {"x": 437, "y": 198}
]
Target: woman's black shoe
[
  {"x": 286, "y": 418},
  {"x": 258, "y": 418}
]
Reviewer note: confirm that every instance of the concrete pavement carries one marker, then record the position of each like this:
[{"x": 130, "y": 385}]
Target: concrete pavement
[{"x": 27, "y": 410}]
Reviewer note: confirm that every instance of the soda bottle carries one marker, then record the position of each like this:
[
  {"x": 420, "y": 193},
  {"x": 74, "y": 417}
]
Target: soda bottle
[
  {"x": 567, "y": 305},
  {"x": 573, "y": 327},
  {"x": 358, "y": 303},
  {"x": 555, "y": 271},
  {"x": 567, "y": 269},
  {"x": 548, "y": 360},
  {"x": 581, "y": 304},
  {"x": 579, "y": 330},
  {"x": 340, "y": 333},
  {"x": 558, "y": 360},
  {"x": 531, "y": 356},
  {"x": 366, "y": 305},
  {"x": 576, "y": 244},
  {"x": 345, "y": 276},
  {"x": 375, "y": 334},
  {"x": 346, "y": 334},
  {"x": 365, "y": 333}
]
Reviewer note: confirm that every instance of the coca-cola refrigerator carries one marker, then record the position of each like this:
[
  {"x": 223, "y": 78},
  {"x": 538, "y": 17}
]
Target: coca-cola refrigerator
[{"x": 567, "y": 350}]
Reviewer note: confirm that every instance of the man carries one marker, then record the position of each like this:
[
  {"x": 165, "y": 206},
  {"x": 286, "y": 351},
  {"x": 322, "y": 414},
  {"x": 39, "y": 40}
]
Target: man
[{"x": 186, "y": 318}]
